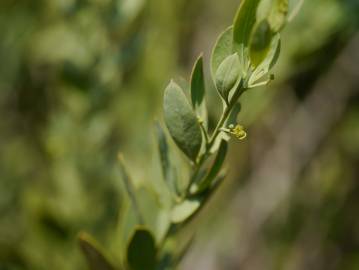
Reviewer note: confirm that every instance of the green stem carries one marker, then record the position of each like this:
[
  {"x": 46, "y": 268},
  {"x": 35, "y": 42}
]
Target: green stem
[
  {"x": 227, "y": 111},
  {"x": 204, "y": 132}
]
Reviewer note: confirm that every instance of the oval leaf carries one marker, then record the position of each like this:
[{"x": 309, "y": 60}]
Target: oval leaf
[
  {"x": 243, "y": 26},
  {"x": 185, "y": 210},
  {"x": 270, "y": 60},
  {"x": 128, "y": 182},
  {"x": 274, "y": 53},
  {"x": 96, "y": 259},
  {"x": 198, "y": 90},
  {"x": 167, "y": 171},
  {"x": 227, "y": 75},
  {"x": 222, "y": 49},
  {"x": 260, "y": 42},
  {"x": 141, "y": 251},
  {"x": 181, "y": 121}
]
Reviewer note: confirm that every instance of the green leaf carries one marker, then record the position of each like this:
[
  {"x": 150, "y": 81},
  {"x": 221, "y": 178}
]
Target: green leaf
[
  {"x": 141, "y": 251},
  {"x": 126, "y": 223},
  {"x": 275, "y": 52},
  {"x": 244, "y": 22},
  {"x": 96, "y": 259},
  {"x": 181, "y": 121},
  {"x": 260, "y": 42},
  {"x": 227, "y": 75},
  {"x": 215, "y": 169},
  {"x": 185, "y": 210},
  {"x": 278, "y": 15},
  {"x": 222, "y": 49},
  {"x": 198, "y": 90},
  {"x": 268, "y": 63},
  {"x": 130, "y": 189},
  {"x": 163, "y": 150}
]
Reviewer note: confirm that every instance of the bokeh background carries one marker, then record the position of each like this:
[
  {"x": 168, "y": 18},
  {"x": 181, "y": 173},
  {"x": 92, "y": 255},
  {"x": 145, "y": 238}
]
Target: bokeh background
[{"x": 81, "y": 80}]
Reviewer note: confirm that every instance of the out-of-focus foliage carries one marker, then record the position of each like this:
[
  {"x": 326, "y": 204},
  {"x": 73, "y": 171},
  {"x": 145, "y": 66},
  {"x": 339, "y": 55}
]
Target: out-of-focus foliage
[
  {"x": 82, "y": 79},
  {"x": 77, "y": 83}
]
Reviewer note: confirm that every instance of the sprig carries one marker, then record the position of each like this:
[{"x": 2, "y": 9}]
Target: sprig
[{"x": 242, "y": 59}]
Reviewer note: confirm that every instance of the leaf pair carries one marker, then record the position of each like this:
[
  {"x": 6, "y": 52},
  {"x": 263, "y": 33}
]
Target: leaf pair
[
  {"x": 253, "y": 33},
  {"x": 225, "y": 65}
]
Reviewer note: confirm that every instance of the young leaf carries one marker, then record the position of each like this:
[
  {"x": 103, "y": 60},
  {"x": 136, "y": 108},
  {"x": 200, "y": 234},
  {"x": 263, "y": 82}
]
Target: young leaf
[
  {"x": 222, "y": 49},
  {"x": 260, "y": 42},
  {"x": 130, "y": 189},
  {"x": 243, "y": 25},
  {"x": 96, "y": 259},
  {"x": 268, "y": 63},
  {"x": 216, "y": 167},
  {"x": 126, "y": 222},
  {"x": 185, "y": 210},
  {"x": 165, "y": 159},
  {"x": 181, "y": 121},
  {"x": 278, "y": 15},
  {"x": 198, "y": 90},
  {"x": 227, "y": 75},
  {"x": 275, "y": 52},
  {"x": 141, "y": 251}
]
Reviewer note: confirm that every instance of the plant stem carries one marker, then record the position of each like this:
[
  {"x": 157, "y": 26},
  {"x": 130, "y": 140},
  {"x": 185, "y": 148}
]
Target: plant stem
[
  {"x": 227, "y": 110},
  {"x": 204, "y": 132},
  {"x": 209, "y": 143}
]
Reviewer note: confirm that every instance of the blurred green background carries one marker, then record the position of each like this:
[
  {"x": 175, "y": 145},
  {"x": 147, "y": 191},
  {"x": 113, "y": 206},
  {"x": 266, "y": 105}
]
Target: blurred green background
[{"x": 81, "y": 80}]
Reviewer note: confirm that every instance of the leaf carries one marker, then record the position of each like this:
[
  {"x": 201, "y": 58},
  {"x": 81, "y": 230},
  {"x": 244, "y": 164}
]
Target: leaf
[
  {"x": 163, "y": 150},
  {"x": 126, "y": 223},
  {"x": 227, "y": 75},
  {"x": 141, "y": 251},
  {"x": 275, "y": 52},
  {"x": 260, "y": 42},
  {"x": 215, "y": 169},
  {"x": 278, "y": 15},
  {"x": 130, "y": 189},
  {"x": 269, "y": 61},
  {"x": 198, "y": 90},
  {"x": 164, "y": 158},
  {"x": 222, "y": 49},
  {"x": 188, "y": 208},
  {"x": 185, "y": 210},
  {"x": 181, "y": 121},
  {"x": 243, "y": 26},
  {"x": 96, "y": 259}
]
